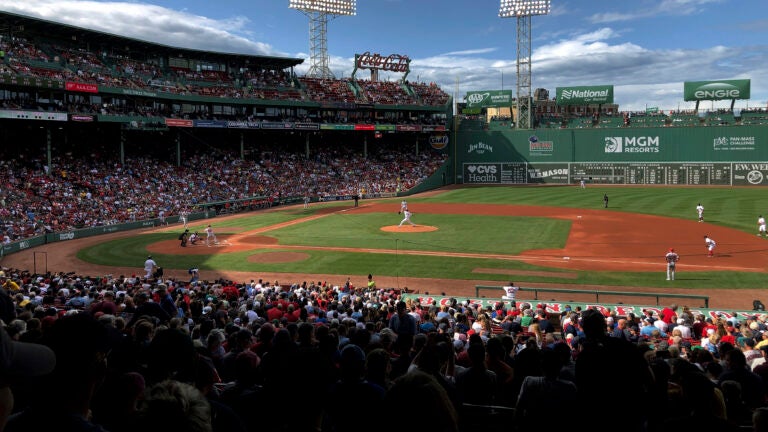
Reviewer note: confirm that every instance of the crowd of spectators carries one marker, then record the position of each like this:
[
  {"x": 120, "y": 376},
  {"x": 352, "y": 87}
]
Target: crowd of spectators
[
  {"x": 87, "y": 192},
  {"x": 53, "y": 61},
  {"x": 132, "y": 353}
]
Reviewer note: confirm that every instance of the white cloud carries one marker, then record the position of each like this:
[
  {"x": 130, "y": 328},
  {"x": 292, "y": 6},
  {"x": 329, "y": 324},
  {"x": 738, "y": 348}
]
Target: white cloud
[
  {"x": 473, "y": 51},
  {"x": 147, "y": 22},
  {"x": 641, "y": 75},
  {"x": 663, "y": 7}
]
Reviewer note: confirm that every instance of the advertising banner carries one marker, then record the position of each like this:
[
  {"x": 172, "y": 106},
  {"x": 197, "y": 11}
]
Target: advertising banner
[
  {"x": 388, "y": 128},
  {"x": 750, "y": 174},
  {"x": 131, "y": 92},
  {"x": 31, "y": 81},
  {"x": 276, "y": 125},
  {"x": 178, "y": 122},
  {"x": 81, "y": 87},
  {"x": 210, "y": 123},
  {"x": 433, "y": 128},
  {"x": 32, "y": 115},
  {"x": 233, "y": 124},
  {"x": 716, "y": 90},
  {"x": 489, "y": 98},
  {"x": 81, "y": 118},
  {"x": 556, "y": 307},
  {"x": 584, "y": 95},
  {"x": 306, "y": 126},
  {"x": 408, "y": 128}
]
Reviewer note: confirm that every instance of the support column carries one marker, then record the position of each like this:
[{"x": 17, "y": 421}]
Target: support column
[
  {"x": 178, "y": 148},
  {"x": 48, "y": 146},
  {"x": 122, "y": 147}
]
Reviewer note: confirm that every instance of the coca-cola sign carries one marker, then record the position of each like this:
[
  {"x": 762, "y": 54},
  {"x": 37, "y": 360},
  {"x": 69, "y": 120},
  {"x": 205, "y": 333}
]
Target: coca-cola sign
[{"x": 393, "y": 62}]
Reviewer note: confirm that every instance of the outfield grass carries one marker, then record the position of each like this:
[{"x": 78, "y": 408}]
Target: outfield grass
[{"x": 733, "y": 207}]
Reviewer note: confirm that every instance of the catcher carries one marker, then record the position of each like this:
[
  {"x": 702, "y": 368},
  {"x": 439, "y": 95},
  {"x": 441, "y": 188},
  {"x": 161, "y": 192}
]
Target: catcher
[{"x": 194, "y": 238}]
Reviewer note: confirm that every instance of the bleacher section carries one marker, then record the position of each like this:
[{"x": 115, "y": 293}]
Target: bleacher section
[{"x": 73, "y": 63}]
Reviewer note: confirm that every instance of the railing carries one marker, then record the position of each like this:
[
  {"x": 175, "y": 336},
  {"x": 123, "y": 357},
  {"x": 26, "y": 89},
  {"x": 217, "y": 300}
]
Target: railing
[{"x": 597, "y": 293}]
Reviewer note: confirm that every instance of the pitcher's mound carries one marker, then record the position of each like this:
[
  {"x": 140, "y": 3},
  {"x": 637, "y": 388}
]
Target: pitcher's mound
[{"x": 409, "y": 228}]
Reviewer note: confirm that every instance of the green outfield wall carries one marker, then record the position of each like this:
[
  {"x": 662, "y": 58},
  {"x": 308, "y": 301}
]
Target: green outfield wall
[{"x": 717, "y": 155}]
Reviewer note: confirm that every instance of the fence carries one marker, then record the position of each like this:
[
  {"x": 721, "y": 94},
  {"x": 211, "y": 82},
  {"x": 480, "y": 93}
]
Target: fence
[{"x": 598, "y": 293}]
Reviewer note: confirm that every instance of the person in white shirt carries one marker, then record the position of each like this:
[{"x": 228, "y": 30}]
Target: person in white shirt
[
  {"x": 760, "y": 226},
  {"x": 406, "y": 218},
  {"x": 700, "y": 212},
  {"x": 210, "y": 235},
  {"x": 510, "y": 292},
  {"x": 685, "y": 331},
  {"x": 183, "y": 216},
  {"x": 710, "y": 244},
  {"x": 149, "y": 266},
  {"x": 672, "y": 258}
]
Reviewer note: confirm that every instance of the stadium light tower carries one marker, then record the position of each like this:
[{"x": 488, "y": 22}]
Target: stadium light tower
[
  {"x": 523, "y": 10},
  {"x": 318, "y": 12}
]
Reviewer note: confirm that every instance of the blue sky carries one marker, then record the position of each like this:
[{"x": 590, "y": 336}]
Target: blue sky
[{"x": 645, "y": 48}]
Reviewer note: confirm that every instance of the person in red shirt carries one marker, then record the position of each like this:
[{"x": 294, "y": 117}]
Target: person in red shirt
[
  {"x": 292, "y": 314},
  {"x": 231, "y": 292},
  {"x": 275, "y": 312},
  {"x": 669, "y": 314}
]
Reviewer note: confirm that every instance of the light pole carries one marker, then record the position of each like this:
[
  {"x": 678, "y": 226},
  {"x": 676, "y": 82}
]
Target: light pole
[
  {"x": 523, "y": 10},
  {"x": 318, "y": 12}
]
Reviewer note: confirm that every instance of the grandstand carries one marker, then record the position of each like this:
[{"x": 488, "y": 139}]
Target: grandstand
[
  {"x": 129, "y": 100},
  {"x": 111, "y": 134}
]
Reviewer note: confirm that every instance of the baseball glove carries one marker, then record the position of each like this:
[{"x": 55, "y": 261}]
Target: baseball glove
[{"x": 398, "y": 212}]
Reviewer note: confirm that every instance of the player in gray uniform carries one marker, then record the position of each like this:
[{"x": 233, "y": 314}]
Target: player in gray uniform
[{"x": 672, "y": 258}]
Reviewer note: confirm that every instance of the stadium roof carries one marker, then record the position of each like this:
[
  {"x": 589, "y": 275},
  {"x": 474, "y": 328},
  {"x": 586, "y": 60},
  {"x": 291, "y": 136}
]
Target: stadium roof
[{"x": 19, "y": 24}]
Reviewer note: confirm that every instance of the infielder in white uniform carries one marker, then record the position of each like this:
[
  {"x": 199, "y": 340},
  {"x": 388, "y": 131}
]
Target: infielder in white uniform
[
  {"x": 710, "y": 246},
  {"x": 210, "y": 235},
  {"x": 700, "y": 212},
  {"x": 406, "y": 218},
  {"x": 149, "y": 266},
  {"x": 672, "y": 258},
  {"x": 403, "y": 206},
  {"x": 183, "y": 215},
  {"x": 761, "y": 226}
]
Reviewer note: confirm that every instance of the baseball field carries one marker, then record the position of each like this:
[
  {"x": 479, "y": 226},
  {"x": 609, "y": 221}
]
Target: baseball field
[{"x": 540, "y": 236}]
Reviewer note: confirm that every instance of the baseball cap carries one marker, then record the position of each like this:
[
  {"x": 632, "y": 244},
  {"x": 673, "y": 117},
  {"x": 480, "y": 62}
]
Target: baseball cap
[{"x": 22, "y": 359}]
